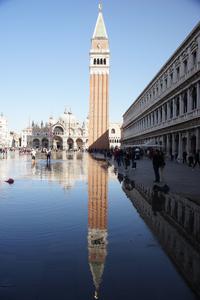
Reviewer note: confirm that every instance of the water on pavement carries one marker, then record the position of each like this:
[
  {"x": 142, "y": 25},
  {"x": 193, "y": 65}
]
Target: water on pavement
[{"x": 76, "y": 229}]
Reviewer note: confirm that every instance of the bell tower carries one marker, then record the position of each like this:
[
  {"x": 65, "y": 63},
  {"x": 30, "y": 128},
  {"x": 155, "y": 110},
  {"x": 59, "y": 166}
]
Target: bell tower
[{"x": 99, "y": 86}]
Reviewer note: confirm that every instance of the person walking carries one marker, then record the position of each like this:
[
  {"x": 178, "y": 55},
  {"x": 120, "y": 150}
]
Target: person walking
[
  {"x": 33, "y": 156},
  {"x": 196, "y": 159},
  {"x": 48, "y": 153},
  {"x": 184, "y": 157},
  {"x": 161, "y": 165},
  {"x": 156, "y": 165}
]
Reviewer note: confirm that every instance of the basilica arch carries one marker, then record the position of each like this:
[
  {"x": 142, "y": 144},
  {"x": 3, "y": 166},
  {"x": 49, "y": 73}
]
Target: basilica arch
[
  {"x": 79, "y": 143},
  {"x": 57, "y": 143},
  {"x": 58, "y": 130},
  {"x": 70, "y": 144},
  {"x": 36, "y": 143},
  {"x": 45, "y": 143}
]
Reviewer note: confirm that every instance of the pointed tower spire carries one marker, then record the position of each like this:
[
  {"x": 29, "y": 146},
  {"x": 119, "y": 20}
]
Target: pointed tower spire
[{"x": 100, "y": 28}]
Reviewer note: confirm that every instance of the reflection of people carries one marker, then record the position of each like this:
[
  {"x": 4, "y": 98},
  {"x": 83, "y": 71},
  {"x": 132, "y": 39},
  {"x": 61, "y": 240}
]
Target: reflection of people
[
  {"x": 161, "y": 165},
  {"x": 157, "y": 202}
]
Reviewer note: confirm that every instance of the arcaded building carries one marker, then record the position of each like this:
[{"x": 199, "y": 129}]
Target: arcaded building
[{"x": 167, "y": 112}]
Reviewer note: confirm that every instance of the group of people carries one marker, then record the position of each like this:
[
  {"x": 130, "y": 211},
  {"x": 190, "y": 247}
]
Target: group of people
[
  {"x": 34, "y": 152},
  {"x": 192, "y": 159}
]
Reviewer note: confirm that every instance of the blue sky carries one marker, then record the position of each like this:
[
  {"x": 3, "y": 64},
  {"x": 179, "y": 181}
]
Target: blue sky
[{"x": 44, "y": 52}]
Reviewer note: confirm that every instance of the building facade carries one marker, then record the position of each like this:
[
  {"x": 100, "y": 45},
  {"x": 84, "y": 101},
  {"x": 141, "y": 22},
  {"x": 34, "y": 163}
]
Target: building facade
[
  {"x": 115, "y": 135},
  {"x": 99, "y": 86},
  {"x": 167, "y": 112},
  {"x": 65, "y": 133},
  {"x": 4, "y": 133}
]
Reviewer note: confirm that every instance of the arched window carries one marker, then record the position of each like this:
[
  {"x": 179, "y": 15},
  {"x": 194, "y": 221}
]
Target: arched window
[
  {"x": 104, "y": 61},
  {"x": 101, "y": 61},
  {"x": 98, "y": 61},
  {"x": 113, "y": 131},
  {"x": 95, "y": 61},
  {"x": 185, "y": 103}
]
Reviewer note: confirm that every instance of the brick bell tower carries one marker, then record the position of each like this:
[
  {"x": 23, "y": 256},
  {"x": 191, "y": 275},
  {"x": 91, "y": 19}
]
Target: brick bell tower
[{"x": 99, "y": 86}]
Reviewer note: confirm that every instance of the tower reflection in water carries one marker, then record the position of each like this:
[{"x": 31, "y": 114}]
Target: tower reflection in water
[
  {"x": 97, "y": 220},
  {"x": 175, "y": 221}
]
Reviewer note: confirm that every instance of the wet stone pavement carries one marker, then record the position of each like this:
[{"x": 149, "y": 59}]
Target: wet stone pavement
[{"x": 80, "y": 229}]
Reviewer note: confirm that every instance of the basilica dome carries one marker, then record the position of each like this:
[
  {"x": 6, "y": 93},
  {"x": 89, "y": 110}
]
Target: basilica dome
[{"x": 67, "y": 117}]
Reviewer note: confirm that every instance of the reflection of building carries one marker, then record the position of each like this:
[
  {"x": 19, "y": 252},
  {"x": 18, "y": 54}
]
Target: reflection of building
[
  {"x": 167, "y": 112},
  {"x": 175, "y": 221},
  {"x": 65, "y": 133},
  {"x": 97, "y": 220},
  {"x": 4, "y": 134},
  {"x": 99, "y": 86}
]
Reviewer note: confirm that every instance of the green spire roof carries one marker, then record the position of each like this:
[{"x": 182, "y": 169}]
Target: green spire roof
[{"x": 100, "y": 28}]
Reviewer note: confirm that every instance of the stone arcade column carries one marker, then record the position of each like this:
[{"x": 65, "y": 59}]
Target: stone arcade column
[
  {"x": 163, "y": 113},
  {"x": 174, "y": 108},
  {"x": 180, "y": 147},
  {"x": 198, "y": 95},
  {"x": 189, "y": 101},
  {"x": 188, "y": 143},
  {"x": 197, "y": 139},
  {"x": 173, "y": 144},
  {"x": 168, "y": 146}
]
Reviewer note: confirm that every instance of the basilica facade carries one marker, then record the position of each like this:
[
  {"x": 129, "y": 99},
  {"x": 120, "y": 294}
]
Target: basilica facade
[
  {"x": 64, "y": 133},
  {"x": 167, "y": 112}
]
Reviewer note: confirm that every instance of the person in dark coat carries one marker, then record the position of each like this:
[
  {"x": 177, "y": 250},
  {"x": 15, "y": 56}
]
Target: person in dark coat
[
  {"x": 196, "y": 159},
  {"x": 156, "y": 165}
]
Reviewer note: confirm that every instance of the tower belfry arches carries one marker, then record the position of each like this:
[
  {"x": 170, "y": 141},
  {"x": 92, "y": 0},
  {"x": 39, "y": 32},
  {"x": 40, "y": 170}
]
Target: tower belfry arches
[{"x": 99, "y": 86}]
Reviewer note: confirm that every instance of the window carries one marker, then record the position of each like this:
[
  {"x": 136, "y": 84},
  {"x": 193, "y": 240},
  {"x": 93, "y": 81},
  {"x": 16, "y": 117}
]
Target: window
[
  {"x": 113, "y": 131},
  {"x": 98, "y": 61},
  {"x": 171, "y": 77},
  {"x": 185, "y": 66},
  {"x": 185, "y": 103},
  {"x": 95, "y": 61},
  {"x": 178, "y": 73},
  {"x": 101, "y": 61},
  {"x": 104, "y": 61},
  {"x": 171, "y": 109},
  {"x": 194, "y": 98},
  {"x": 194, "y": 58},
  {"x": 165, "y": 108},
  {"x": 166, "y": 82},
  {"x": 177, "y": 106}
]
